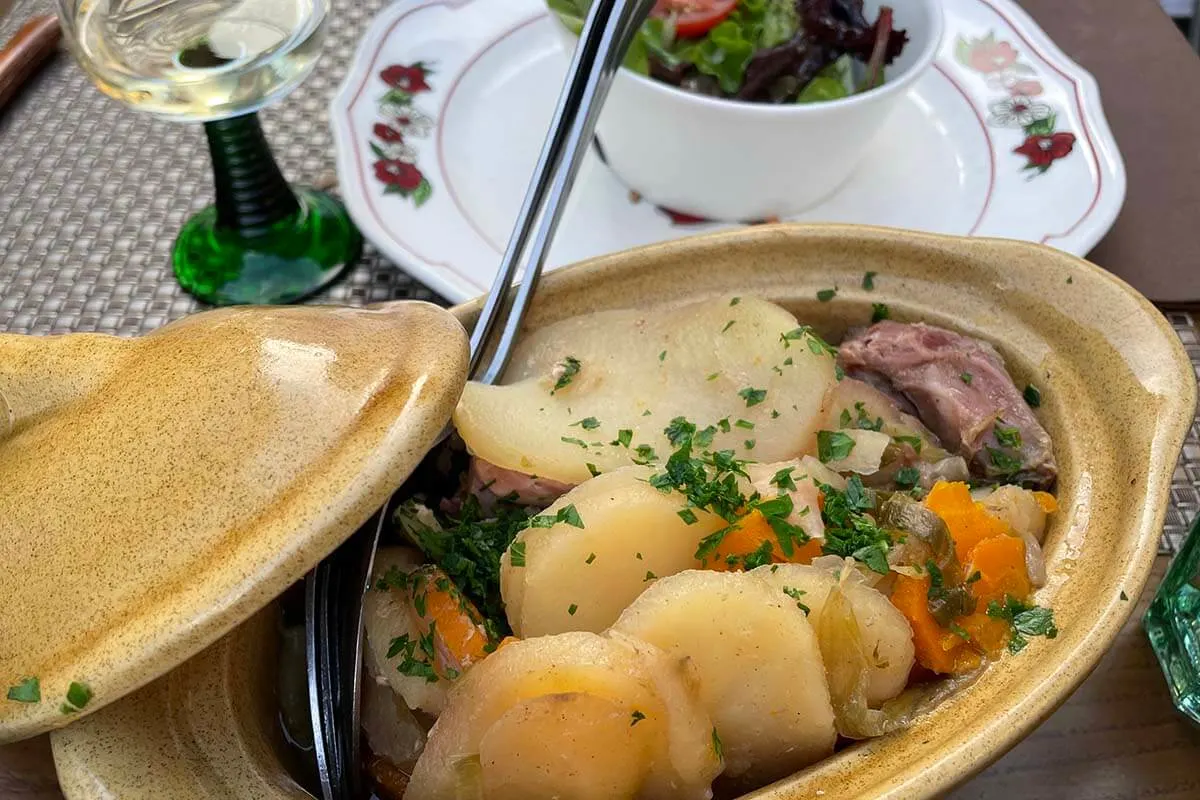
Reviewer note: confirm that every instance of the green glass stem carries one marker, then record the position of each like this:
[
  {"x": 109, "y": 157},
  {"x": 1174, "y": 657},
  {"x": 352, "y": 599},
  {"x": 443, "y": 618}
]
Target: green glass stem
[
  {"x": 1173, "y": 624},
  {"x": 261, "y": 242}
]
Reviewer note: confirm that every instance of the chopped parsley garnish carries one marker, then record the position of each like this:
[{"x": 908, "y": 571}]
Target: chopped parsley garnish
[
  {"x": 796, "y": 594},
  {"x": 816, "y": 344},
  {"x": 960, "y": 632},
  {"x": 914, "y": 441},
  {"x": 662, "y": 356},
  {"x": 1026, "y": 620},
  {"x": 591, "y": 557},
  {"x": 591, "y": 468},
  {"x": 29, "y": 690},
  {"x": 1124, "y": 596},
  {"x": 575, "y": 441},
  {"x": 728, "y": 325},
  {"x": 718, "y": 748},
  {"x": 880, "y": 312},
  {"x": 516, "y": 554},
  {"x": 735, "y": 301},
  {"x": 713, "y": 376},
  {"x": 974, "y": 577},
  {"x": 571, "y": 609},
  {"x": 587, "y": 423},
  {"x": 864, "y": 421},
  {"x": 724, "y": 425},
  {"x": 1007, "y": 435},
  {"x": 1006, "y": 463},
  {"x": 760, "y": 557},
  {"x": 783, "y": 479},
  {"x": 752, "y": 396},
  {"x": 567, "y": 514},
  {"x": 907, "y": 477},
  {"x": 647, "y": 413},
  {"x": 745, "y": 423},
  {"x": 566, "y": 370},
  {"x": 688, "y": 516},
  {"x": 638, "y": 556},
  {"x": 774, "y": 414},
  {"x": 649, "y": 576},
  {"x": 637, "y": 717},
  {"x": 869, "y": 281},
  {"x": 1032, "y": 396},
  {"x": 825, "y": 295},
  {"x": 845, "y": 420},
  {"x": 966, "y": 378},
  {"x": 624, "y": 437},
  {"x": 78, "y": 696},
  {"x": 416, "y": 657},
  {"x": 851, "y": 533},
  {"x": 644, "y": 454},
  {"x": 748, "y": 444},
  {"x": 833, "y": 445}
]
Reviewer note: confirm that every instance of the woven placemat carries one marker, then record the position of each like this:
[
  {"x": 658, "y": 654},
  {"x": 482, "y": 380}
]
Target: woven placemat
[{"x": 92, "y": 195}]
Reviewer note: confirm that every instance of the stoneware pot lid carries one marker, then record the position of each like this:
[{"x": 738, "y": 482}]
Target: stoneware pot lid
[{"x": 158, "y": 491}]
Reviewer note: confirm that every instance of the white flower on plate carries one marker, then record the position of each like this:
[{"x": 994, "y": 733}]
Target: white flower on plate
[
  {"x": 1017, "y": 112},
  {"x": 392, "y": 108},
  {"x": 398, "y": 151},
  {"x": 412, "y": 122}
]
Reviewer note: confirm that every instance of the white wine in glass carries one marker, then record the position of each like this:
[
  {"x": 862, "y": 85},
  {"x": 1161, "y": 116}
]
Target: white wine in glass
[{"x": 219, "y": 62}]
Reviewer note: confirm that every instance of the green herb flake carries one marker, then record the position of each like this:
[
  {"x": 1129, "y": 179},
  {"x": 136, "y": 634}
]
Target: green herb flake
[
  {"x": 591, "y": 557},
  {"x": 752, "y": 396},
  {"x": 574, "y": 440},
  {"x": 1124, "y": 596},
  {"x": 914, "y": 441},
  {"x": 728, "y": 325},
  {"x": 1007, "y": 435},
  {"x": 974, "y": 577},
  {"x": 845, "y": 420},
  {"x": 833, "y": 446},
  {"x": 825, "y": 295},
  {"x": 566, "y": 370},
  {"x": 1070, "y": 279},
  {"x": 713, "y": 376},
  {"x": 748, "y": 444},
  {"x": 735, "y": 301},
  {"x": 1033, "y": 396},
  {"x": 880, "y": 312},
  {"x": 662, "y": 356},
  {"x": 687, "y": 515},
  {"x": 624, "y": 437},
  {"x": 516, "y": 554},
  {"x": 784, "y": 480},
  {"x": 966, "y": 378},
  {"x": 960, "y": 632},
  {"x": 744, "y": 423},
  {"x": 79, "y": 695},
  {"x": 637, "y": 717},
  {"x": 724, "y": 425},
  {"x": 907, "y": 477},
  {"x": 571, "y": 609},
  {"x": 1026, "y": 620},
  {"x": 644, "y": 454},
  {"x": 796, "y": 594},
  {"x": 718, "y": 748},
  {"x": 29, "y": 690},
  {"x": 591, "y": 468},
  {"x": 774, "y": 414},
  {"x": 868, "y": 282},
  {"x": 649, "y": 576},
  {"x": 587, "y": 423},
  {"x": 1007, "y": 464}
]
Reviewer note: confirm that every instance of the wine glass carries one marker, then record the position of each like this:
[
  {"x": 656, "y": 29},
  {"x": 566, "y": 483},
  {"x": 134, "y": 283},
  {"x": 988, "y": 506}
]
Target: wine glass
[{"x": 219, "y": 62}]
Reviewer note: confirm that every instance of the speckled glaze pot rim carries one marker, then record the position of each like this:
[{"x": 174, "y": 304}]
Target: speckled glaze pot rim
[{"x": 1119, "y": 395}]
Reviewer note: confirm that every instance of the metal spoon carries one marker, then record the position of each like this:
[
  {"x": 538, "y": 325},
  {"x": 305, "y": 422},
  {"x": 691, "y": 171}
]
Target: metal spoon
[{"x": 335, "y": 589}]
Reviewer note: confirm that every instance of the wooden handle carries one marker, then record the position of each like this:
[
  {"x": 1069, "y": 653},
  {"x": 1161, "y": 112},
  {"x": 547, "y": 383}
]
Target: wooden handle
[{"x": 20, "y": 58}]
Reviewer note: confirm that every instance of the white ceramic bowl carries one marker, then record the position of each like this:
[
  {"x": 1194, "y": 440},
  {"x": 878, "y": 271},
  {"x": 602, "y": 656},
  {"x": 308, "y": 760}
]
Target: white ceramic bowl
[{"x": 736, "y": 161}]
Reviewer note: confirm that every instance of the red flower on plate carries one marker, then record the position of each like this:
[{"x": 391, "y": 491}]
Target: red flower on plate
[
  {"x": 1042, "y": 151},
  {"x": 398, "y": 173},
  {"x": 387, "y": 133},
  {"x": 991, "y": 56},
  {"x": 407, "y": 79}
]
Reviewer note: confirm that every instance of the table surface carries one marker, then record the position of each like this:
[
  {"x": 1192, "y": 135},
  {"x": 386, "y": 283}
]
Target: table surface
[{"x": 91, "y": 196}]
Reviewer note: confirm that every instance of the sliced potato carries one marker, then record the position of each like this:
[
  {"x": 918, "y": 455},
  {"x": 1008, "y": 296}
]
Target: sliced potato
[
  {"x": 761, "y": 675},
  {"x": 638, "y": 370},
  {"x": 582, "y": 578},
  {"x": 885, "y": 633},
  {"x": 575, "y": 715},
  {"x": 386, "y": 617}
]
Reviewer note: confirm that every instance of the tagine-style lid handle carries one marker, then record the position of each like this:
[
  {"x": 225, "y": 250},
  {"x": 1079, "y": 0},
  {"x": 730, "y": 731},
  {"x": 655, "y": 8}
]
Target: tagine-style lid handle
[{"x": 156, "y": 492}]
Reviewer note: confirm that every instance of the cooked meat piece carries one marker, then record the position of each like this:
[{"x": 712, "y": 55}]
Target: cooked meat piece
[
  {"x": 963, "y": 393},
  {"x": 528, "y": 490}
]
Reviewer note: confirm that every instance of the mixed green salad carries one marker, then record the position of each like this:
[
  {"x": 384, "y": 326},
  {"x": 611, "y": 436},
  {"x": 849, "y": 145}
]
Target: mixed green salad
[{"x": 767, "y": 51}]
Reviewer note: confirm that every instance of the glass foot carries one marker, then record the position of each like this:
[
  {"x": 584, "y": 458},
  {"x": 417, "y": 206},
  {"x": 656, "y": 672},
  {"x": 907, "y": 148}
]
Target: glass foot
[
  {"x": 290, "y": 260},
  {"x": 1173, "y": 625}
]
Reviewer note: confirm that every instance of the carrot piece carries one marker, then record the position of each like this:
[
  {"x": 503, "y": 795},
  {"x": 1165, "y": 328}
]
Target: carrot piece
[
  {"x": 438, "y": 605},
  {"x": 1000, "y": 562},
  {"x": 987, "y": 632},
  {"x": 968, "y": 521},
  {"x": 1047, "y": 502},
  {"x": 747, "y": 535},
  {"x": 937, "y": 649}
]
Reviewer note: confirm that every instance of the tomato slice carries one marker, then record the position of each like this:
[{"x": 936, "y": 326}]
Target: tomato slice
[{"x": 694, "y": 18}]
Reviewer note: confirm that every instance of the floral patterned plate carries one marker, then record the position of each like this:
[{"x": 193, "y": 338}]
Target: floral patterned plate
[{"x": 439, "y": 121}]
